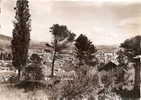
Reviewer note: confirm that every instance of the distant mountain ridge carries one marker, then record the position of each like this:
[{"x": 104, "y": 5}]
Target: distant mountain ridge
[
  {"x": 106, "y": 48},
  {"x": 4, "y": 37},
  {"x": 6, "y": 40}
]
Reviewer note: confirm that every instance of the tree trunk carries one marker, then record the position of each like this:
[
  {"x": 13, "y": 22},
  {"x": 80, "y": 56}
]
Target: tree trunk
[
  {"x": 54, "y": 55},
  {"x": 137, "y": 79},
  {"x": 53, "y": 61},
  {"x": 137, "y": 76},
  {"x": 19, "y": 74}
]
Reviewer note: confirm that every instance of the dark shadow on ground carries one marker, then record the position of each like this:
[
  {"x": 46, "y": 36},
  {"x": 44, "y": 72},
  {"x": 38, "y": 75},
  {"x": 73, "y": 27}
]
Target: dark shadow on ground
[{"x": 30, "y": 85}]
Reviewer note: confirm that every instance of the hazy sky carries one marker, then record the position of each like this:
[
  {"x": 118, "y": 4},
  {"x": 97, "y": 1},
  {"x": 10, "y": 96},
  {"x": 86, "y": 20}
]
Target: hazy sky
[{"x": 103, "y": 21}]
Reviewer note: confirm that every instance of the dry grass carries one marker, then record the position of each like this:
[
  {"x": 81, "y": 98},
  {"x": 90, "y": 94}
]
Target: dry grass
[{"x": 8, "y": 92}]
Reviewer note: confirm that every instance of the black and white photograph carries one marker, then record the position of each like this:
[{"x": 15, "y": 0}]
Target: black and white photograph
[{"x": 70, "y": 49}]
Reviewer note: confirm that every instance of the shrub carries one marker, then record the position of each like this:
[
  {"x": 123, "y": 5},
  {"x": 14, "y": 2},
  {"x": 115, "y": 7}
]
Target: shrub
[{"x": 34, "y": 70}]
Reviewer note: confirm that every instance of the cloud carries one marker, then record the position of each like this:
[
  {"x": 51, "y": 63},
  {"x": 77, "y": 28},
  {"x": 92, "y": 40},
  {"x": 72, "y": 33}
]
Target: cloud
[
  {"x": 131, "y": 25},
  {"x": 8, "y": 5},
  {"x": 101, "y": 21}
]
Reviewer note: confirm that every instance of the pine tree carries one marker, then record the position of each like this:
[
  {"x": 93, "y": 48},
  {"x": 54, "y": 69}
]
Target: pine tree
[
  {"x": 85, "y": 50},
  {"x": 132, "y": 49},
  {"x": 21, "y": 35},
  {"x": 62, "y": 36},
  {"x": 84, "y": 83}
]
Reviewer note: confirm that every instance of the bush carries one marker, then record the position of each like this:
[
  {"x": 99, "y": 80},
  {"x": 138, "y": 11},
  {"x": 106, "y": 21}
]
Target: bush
[
  {"x": 30, "y": 85},
  {"x": 34, "y": 70}
]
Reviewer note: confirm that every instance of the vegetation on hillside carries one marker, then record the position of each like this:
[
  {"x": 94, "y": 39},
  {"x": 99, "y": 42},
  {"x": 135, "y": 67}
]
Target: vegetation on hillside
[{"x": 75, "y": 75}]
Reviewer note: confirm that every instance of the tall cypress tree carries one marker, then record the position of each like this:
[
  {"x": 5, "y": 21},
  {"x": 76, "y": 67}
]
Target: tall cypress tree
[{"x": 21, "y": 35}]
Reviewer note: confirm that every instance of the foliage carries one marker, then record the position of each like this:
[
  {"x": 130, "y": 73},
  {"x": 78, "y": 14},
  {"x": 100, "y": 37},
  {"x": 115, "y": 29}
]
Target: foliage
[
  {"x": 123, "y": 84},
  {"x": 80, "y": 87},
  {"x": 85, "y": 83},
  {"x": 60, "y": 32},
  {"x": 62, "y": 36},
  {"x": 85, "y": 50},
  {"x": 21, "y": 34},
  {"x": 114, "y": 78},
  {"x": 121, "y": 57},
  {"x": 71, "y": 37},
  {"x": 132, "y": 46},
  {"x": 35, "y": 58},
  {"x": 34, "y": 70}
]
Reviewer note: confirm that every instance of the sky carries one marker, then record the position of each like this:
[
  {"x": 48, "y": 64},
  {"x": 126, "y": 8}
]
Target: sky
[{"x": 105, "y": 22}]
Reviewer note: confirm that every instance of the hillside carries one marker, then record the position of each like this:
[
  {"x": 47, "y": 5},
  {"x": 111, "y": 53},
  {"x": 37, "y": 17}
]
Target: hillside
[
  {"x": 4, "y": 41},
  {"x": 106, "y": 48},
  {"x": 4, "y": 37}
]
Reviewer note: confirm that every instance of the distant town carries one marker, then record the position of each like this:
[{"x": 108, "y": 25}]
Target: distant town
[{"x": 52, "y": 50}]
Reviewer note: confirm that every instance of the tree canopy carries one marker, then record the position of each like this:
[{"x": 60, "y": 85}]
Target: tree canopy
[
  {"x": 84, "y": 49},
  {"x": 132, "y": 46},
  {"x": 21, "y": 34}
]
